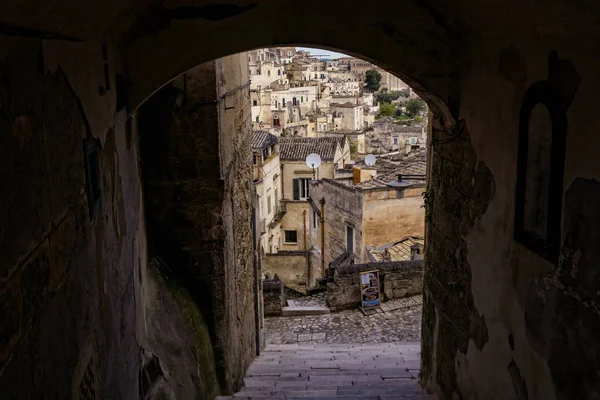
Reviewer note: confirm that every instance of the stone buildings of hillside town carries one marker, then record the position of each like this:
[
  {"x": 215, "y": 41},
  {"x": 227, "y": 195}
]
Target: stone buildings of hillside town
[
  {"x": 387, "y": 136},
  {"x": 301, "y": 105},
  {"x": 360, "y": 214},
  {"x": 293, "y": 94}
]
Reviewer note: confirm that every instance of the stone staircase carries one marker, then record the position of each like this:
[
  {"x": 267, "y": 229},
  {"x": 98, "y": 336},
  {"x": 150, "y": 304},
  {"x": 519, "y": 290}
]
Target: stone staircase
[{"x": 384, "y": 371}]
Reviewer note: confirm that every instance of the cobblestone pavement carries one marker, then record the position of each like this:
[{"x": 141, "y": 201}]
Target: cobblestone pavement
[{"x": 398, "y": 321}]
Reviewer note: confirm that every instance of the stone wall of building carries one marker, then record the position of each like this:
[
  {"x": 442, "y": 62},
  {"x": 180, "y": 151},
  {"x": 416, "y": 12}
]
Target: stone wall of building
[
  {"x": 70, "y": 282},
  {"x": 195, "y": 158},
  {"x": 398, "y": 279},
  {"x": 289, "y": 266},
  {"x": 343, "y": 207},
  {"x": 273, "y": 297},
  {"x": 522, "y": 326},
  {"x": 175, "y": 322},
  {"x": 295, "y": 219},
  {"x": 390, "y": 215}
]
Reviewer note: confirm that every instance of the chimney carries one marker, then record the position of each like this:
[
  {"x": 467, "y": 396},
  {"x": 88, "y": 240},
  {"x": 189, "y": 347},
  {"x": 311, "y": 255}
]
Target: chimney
[{"x": 415, "y": 252}]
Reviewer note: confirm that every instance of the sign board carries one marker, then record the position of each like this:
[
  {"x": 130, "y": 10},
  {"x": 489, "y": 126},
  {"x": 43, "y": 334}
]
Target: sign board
[{"x": 369, "y": 289}]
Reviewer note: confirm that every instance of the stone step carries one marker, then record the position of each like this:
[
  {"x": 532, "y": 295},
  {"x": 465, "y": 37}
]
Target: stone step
[
  {"x": 333, "y": 372},
  {"x": 304, "y": 310}
]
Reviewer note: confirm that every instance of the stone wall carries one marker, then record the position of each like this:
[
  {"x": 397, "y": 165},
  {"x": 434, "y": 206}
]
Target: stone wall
[
  {"x": 175, "y": 322},
  {"x": 273, "y": 297},
  {"x": 343, "y": 206},
  {"x": 398, "y": 279},
  {"x": 289, "y": 266},
  {"x": 390, "y": 215},
  {"x": 70, "y": 284},
  {"x": 197, "y": 186},
  {"x": 521, "y": 326}
]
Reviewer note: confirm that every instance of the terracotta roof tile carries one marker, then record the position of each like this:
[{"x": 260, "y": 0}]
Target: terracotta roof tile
[
  {"x": 297, "y": 148},
  {"x": 262, "y": 140},
  {"x": 397, "y": 251}
]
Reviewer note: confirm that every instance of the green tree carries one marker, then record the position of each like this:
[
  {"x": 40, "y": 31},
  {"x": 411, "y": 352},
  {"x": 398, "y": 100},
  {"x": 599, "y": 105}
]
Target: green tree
[
  {"x": 415, "y": 106},
  {"x": 372, "y": 80},
  {"x": 387, "y": 110}
]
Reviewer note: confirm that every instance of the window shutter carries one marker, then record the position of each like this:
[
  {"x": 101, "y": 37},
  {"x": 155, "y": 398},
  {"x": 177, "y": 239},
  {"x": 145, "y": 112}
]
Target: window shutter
[{"x": 296, "y": 189}]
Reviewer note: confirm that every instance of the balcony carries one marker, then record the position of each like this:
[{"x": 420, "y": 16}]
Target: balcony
[
  {"x": 262, "y": 226},
  {"x": 280, "y": 211}
]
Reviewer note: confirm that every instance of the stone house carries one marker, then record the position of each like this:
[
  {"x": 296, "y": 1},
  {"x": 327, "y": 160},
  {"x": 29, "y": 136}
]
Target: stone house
[
  {"x": 356, "y": 139},
  {"x": 267, "y": 189},
  {"x": 341, "y": 87},
  {"x": 375, "y": 210},
  {"x": 387, "y": 135},
  {"x": 296, "y": 177},
  {"x": 351, "y": 114}
]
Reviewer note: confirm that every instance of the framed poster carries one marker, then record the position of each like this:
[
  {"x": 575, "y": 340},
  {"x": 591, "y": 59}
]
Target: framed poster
[{"x": 369, "y": 289}]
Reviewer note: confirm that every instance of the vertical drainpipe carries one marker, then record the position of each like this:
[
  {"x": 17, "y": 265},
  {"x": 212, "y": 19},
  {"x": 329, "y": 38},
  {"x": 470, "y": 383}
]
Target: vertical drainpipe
[
  {"x": 322, "y": 221},
  {"x": 256, "y": 282},
  {"x": 282, "y": 182},
  {"x": 306, "y": 252}
]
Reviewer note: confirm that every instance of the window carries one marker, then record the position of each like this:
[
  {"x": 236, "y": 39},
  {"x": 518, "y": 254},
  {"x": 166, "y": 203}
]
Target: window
[
  {"x": 301, "y": 99},
  {"x": 268, "y": 204},
  {"x": 276, "y": 198},
  {"x": 254, "y": 102},
  {"x": 283, "y": 101},
  {"x": 413, "y": 140},
  {"x": 540, "y": 168},
  {"x": 269, "y": 73},
  {"x": 294, "y": 101},
  {"x": 395, "y": 140},
  {"x": 257, "y": 118},
  {"x": 291, "y": 236},
  {"x": 314, "y": 219},
  {"x": 265, "y": 154},
  {"x": 278, "y": 72},
  {"x": 350, "y": 239},
  {"x": 275, "y": 103},
  {"x": 255, "y": 158},
  {"x": 301, "y": 188}
]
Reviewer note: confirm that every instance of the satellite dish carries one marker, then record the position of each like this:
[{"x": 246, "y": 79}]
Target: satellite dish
[
  {"x": 313, "y": 160},
  {"x": 370, "y": 160}
]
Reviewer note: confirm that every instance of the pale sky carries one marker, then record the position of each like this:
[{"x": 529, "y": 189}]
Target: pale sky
[{"x": 331, "y": 54}]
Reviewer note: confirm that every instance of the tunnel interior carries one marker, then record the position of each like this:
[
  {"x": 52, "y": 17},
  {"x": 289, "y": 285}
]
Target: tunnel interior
[{"x": 510, "y": 285}]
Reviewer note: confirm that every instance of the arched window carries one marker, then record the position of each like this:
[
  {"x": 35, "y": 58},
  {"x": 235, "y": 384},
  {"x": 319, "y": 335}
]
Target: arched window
[{"x": 540, "y": 170}]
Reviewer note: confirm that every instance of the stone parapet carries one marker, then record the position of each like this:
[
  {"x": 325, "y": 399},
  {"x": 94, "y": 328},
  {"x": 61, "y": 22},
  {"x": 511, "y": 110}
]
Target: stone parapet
[{"x": 398, "y": 279}]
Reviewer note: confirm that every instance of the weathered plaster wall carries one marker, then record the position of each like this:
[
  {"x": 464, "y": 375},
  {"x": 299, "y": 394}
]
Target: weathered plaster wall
[
  {"x": 70, "y": 287},
  {"x": 290, "y": 268},
  {"x": 398, "y": 279},
  {"x": 390, "y": 215},
  {"x": 521, "y": 327},
  {"x": 294, "y": 220},
  {"x": 197, "y": 184}
]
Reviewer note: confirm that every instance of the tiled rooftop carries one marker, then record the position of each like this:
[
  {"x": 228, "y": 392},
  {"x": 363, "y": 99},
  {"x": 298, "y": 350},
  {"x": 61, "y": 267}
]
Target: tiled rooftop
[
  {"x": 262, "y": 140},
  {"x": 397, "y": 251},
  {"x": 388, "y": 170},
  {"x": 297, "y": 148}
]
